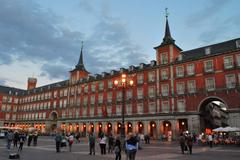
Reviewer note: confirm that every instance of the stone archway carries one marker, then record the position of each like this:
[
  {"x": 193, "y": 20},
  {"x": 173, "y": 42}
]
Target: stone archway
[
  {"x": 213, "y": 113},
  {"x": 53, "y": 116}
]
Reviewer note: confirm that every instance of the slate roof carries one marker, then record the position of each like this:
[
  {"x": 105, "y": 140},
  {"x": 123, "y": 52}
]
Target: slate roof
[{"x": 215, "y": 49}]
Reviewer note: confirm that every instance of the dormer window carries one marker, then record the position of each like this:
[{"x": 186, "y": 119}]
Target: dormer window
[
  {"x": 131, "y": 68},
  {"x": 238, "y": 43},
  {"x": 153, "y": 63},
  {"x": 141, "y": 65},
  {"x": 164, "y": 58},
  {"x": 179, "y": 57},
  {"x": 121, "y": 70},
  {"x": 207, "y": 50},
  {"x": 112, "y": 72}
]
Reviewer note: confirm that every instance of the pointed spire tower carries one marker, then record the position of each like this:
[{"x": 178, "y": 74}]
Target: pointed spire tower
[
  {"x": 167, "y": 51},
  {"x": 79, "y": 71}
]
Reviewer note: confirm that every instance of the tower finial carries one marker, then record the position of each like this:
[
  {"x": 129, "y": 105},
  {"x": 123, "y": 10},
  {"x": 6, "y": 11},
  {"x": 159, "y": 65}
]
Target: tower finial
[
  {"x": 166, "y": 12},
  {"x": 80, "y": 65},
  {"x": 82, "y": 45}
]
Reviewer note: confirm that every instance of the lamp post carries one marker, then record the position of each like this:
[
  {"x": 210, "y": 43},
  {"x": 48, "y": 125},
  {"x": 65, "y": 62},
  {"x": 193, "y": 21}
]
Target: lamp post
[{"x": 123, "y": 83}]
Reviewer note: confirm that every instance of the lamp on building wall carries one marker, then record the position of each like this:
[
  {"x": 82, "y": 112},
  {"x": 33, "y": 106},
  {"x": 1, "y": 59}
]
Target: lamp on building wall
[{"x": 123, "y": 82}]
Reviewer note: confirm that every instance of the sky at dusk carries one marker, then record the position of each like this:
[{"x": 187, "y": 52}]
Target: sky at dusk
[{"x": 42, "y": 38}]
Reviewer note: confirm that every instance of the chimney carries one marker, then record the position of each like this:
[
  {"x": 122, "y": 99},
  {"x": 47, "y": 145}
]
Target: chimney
[{"x": 32, "y": 82}]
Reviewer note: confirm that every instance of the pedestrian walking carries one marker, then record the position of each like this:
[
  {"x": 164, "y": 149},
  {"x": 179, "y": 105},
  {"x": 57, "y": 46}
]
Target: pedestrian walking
[
  {"x": 30, "y": 137},
  {"x": 131, "y": 147},
  {"x": 10, "y": 137},
  {"x": 110, "y": 143},
  {"x": 70, "y": 141},
  {"x": 35, "y": 138},
  {"x": 102, "y": 143},
  {"x": 58, "y": 140},
  {"x": 22, "y": 139},
  {"x": 117, "y": 149},
  {"x": 15, "y": 139},
  {"x": 182, "y": 142},
  {"x": 210, "y": 140},
  {"x": 91, "y": 140},
  {"x": 189, "y": 141}
]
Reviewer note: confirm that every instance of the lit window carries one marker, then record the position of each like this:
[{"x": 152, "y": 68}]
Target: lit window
[
  {"x": 181, "y": 106},
  {"x": 230, "y": 81},
  {"x": 180, "y": 88},
  {"x": 228, "y": 62},
  {"x": 165, "y": 106},
  {"x": 165, "y": 89},
  {"x": 164, "y": 58},
  {"x": 180, "y": 71},
  {"x": 208, "y": 66},
  {"x": 210, "y": 84},
  {"x": 164, "y": 74},
  {"x": 191, "y": 86},
  {"x": 190, "y": 69}
]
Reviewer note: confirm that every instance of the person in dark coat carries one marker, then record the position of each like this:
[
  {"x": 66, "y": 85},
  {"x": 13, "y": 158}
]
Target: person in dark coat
[
  {"x": 15, "y": 139},
  {"x": 117, "y": 149},
  {"x": 131, "y": 147},
  {"x": 110, "y": 143},
  {"x": 30, "y": 137},
  {"x": 182, "y": 142},
  {"x": 189, "y": 141},
  {"x": 58, "y": 140},
  {"x": 91, "y": 140},
  {"x": 22, "y": 139},
  {"x": 35, "y": 138}
]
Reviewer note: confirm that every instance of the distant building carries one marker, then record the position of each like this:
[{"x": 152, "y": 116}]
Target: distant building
[{"x": 190, "y": 90}]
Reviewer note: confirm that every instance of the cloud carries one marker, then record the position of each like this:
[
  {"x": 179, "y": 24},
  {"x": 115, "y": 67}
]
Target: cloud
[
  {"x": 53, "y": 71},
  {"x": 205, "y": 14},
  {"x": 2, "y": 81},
  {"x": 30, "y": 32}
]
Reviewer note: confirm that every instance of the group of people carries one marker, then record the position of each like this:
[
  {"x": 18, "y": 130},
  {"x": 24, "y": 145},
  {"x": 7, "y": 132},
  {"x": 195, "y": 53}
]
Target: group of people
[
  {"x": 115, "y": 145},
  {"x": 186, "y": 142},
  {"x": 19, "y": 137}
]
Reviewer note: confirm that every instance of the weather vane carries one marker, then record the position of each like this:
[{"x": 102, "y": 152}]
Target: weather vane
[
  {"x": 82, "y": 44},
  {"x": 166, "y": 12}
]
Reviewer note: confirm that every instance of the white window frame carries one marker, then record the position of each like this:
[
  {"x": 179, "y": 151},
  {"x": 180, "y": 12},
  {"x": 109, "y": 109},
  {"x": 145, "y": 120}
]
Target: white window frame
[
  {"x": 164, "y": 58},
  {"x": 210, "y": 87},
  {"x": 140, "y": 79},
  {"x": 109, "y": 97},
  {"x": 109, "y": 110},
  {"x": 165, "y": 89},
  {"x": 129, "y": 94},
  {"x": 180, "y": 88},
  {"x": 191, "y": 84},
  {"x": 228, "y": 64},
  {"x": 179, "y": 71},
  {"x": 100, "y": 98},
  {"x": 207, "y": 68},
  {"x": 140, "y": 108},
  {"x": 165, "y": 106},
  {"x": 129, "y": 109},
  {"x": 191, "y": 69},
  {"x": 181, "y": 105},
  {"x": 140, "y": 93},
  {"x": 164, "y": 74},
  {"x": 151, "y": 91},
  {"x": 151, "y": 76},
  {"x": 152, "y": 108},
  {"x": 92, "y": 99},
  {"x": 230, "y": 81}
]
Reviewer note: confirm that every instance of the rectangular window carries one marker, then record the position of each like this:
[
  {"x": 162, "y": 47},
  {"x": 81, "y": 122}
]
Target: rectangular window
[
  {"x": 129, "y": 109},
  {"x": 109, "y": 97},
  {"x": 78, "y": 101},
  {"x": 210, "y": 84},
  {"x": 164, "y": 74},
  {"x": 92, "y": 99},
  {"x": 79, "y": 89},
  {"x": 151, "y": 76},
  {"x": 110, "y": 84},
  {"x": 208, "y": 66},
  {"x": 140, "y": 93},
  {"x": 238, "y": 43},
  {"x": 84, "y": 111},
  {"x": 93, "y": 87},
  {"x": 181, "y": 106},
  {"x": 152, "y": 107},
  {"x": 140, "y": 108},
  {"x": 100, "y": 98},
  {"x": 207, "y": 50},
  {"x": 86, "y": 89},
  {"x": 180, "y": 88},
  {"x": 230, "y": 81},
  {"x": 151, "y": 91},
  {"x": 100, "y": 86},
  {"x": 140, "y": 78},
  {"x": 228, "y": 62},
  {"x": 180, "y": 71},
  {"x": 118, "y": 110},
  {"x": 91, "y": 111},
  {"x": 165, "y": 106},
  {"x": 165, "y": 89},
  {"x": 190, "y": 69},
  {"x": 119, "y": 96},
  {"x": 85, "y": 100},
  {"x": 129, "y": 94},
  {"x": 191, "y": 86},
  {"x": 238, "y": 59},
  {"x": 164, "y": 58}
]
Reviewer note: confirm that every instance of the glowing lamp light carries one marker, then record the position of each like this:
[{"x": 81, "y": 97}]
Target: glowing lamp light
[
  {"x": 123, "y": 80},
  {"x": 153, "y": 125},
  {"x": 92, "y": 126},
  {"x": 131, "y": 82},
  {"x": 84, "y": 125},
  {"x": 124, "y": 76},
  {"x": 77, "y": 125},
  {"x": 116, "y": 82},
  {"x": 100, "y": 125},
  {"x": 140, "y": 125},
  {"x": 166, "y": 124},
  {"x": 109, "y": 125},
  {"x": 129, "y": 125},
  {"x": 183, "y": 123},
  {"x": 119, "y": 125}
]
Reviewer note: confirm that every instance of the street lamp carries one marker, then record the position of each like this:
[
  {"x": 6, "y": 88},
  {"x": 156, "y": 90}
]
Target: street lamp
[{"x": 123, "y": 83}]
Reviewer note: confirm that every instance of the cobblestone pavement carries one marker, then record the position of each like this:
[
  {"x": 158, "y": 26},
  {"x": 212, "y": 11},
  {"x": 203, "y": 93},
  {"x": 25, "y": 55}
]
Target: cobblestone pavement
[{"x": 154, "y": 151}]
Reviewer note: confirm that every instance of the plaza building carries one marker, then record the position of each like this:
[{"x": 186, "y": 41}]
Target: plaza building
[{"x": 195, "y": 90}]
